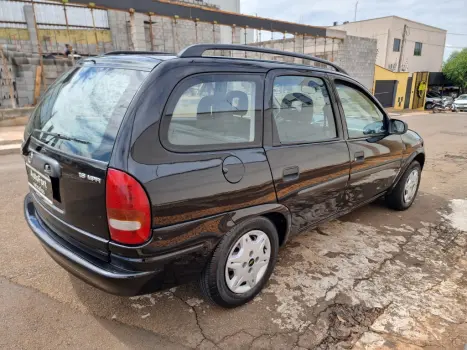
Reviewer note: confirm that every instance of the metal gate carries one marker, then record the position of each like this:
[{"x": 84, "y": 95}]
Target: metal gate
[
  {"x": 407, "y": 93},
  {"x": 385, "y": 92},
  {"x": 421, "y": 81}
]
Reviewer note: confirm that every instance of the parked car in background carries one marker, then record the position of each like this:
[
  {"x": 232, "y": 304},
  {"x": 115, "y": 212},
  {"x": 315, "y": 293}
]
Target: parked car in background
[
  {"x": 149, "y": 170},
  {"x": 460, "y": 103},
  {"x": 431, "y": 98}
]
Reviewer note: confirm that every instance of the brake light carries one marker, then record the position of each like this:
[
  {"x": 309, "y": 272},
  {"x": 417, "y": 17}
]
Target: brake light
[{"x": 128, "y": 209}]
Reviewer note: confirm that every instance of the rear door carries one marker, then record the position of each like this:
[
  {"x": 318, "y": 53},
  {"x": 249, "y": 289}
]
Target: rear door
[
  {"x": 375, "y": 156},
  {"x": 306, "y": 150},
  {"x": 210, "y": 158},
  {"x": 71, "y": 136}
]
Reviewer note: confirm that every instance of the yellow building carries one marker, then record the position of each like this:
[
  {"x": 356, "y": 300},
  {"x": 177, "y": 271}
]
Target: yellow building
[
  {"x": 400, "y": 90},
  {"x": 390, "y": 87}
]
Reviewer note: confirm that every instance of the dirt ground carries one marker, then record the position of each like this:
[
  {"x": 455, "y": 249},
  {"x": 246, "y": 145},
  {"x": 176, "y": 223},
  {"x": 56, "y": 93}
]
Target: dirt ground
[{"x": 374, "y": 279}]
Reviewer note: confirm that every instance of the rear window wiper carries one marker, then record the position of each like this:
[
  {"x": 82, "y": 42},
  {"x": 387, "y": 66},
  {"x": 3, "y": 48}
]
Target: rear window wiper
[{"x": 62, "y": 137}]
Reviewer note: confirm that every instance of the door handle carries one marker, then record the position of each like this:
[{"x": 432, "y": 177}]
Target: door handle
[
  {"x": 359, "y": 157},
  {"x": 291, "y": 173}
]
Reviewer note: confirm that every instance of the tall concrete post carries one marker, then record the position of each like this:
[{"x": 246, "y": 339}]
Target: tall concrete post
[
  {"x": 29, "y": 15},
  {"x": 138, "y": 38}
]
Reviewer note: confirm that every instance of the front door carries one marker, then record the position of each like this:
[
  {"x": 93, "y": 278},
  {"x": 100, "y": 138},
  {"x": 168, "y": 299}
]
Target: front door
[
  {"x": 308, "y": 155},
  {"x": 375, "y": 156}
]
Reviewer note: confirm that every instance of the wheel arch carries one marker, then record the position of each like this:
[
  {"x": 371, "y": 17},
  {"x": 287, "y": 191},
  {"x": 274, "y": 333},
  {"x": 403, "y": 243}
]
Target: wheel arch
[
  {"x": 420, "y": 157},
  {"x": 278, "y": 214}
]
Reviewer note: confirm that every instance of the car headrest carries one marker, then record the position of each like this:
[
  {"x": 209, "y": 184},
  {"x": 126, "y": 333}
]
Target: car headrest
[
  {"x": 238, "y": 100},
  {"x": 302, "y": 114},
  {"x": 206, "y": 106}
]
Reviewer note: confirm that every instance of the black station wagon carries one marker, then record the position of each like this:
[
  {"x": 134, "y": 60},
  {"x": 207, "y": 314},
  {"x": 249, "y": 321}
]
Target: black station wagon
[{"x": 149, "y": 170}]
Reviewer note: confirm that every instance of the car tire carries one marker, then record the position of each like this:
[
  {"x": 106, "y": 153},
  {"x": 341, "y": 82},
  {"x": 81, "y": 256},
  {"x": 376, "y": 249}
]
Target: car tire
[
  {"x": 405, "y": 192},
  {"x": 216, "y": 275},
  {"x": 429, "y": 105}
]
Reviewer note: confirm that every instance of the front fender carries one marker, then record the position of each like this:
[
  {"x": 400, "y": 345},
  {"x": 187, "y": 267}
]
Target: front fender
[{"x": 414, "y": 146}]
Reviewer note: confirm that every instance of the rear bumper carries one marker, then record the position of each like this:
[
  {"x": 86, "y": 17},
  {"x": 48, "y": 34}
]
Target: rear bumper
[{"x": 98, "y": 273}]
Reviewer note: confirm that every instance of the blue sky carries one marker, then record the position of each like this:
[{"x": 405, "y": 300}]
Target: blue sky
[{"x": 450, "y": 15}]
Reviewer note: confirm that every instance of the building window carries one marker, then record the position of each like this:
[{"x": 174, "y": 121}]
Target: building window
[
  {"x": 418, "y": 49},
  {"x": 397, "y": 45}
]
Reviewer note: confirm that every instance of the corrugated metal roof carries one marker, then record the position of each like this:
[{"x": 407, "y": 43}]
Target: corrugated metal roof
[
  {"x": 12, "y": 11},
  {"x": 53, "y": 14},
  {"x": 13, "y": 25}
]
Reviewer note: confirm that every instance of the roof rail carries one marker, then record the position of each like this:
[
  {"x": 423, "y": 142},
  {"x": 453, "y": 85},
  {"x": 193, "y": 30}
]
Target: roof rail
[
  {"x": 198, "y": 50},
  {"x": 122, "y": 52}
]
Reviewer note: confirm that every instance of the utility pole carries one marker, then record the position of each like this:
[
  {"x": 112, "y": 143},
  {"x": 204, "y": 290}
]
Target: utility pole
[
  {"x": 355, "y": 15},
  {"x": 402, "y": 48}
]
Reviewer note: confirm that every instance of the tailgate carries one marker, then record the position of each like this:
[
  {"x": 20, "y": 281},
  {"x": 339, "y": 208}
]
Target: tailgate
[
  {"x": 70, "y": 139},
  {"x": 69, "y": 194}
]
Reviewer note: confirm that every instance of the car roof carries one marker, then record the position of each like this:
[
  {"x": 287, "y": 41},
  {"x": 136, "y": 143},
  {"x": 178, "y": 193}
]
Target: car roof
[{"x": 148, "y": 60}]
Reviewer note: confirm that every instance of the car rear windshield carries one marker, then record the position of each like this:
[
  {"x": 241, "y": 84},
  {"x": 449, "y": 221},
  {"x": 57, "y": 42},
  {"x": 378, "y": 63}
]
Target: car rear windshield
[{"x": 82, "y": 111}]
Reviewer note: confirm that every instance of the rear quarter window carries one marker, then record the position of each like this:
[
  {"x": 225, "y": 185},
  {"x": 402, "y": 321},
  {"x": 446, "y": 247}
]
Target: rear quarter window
[
  {"x": 85, "y": 107},
  {"x": 214, "y": 112}
]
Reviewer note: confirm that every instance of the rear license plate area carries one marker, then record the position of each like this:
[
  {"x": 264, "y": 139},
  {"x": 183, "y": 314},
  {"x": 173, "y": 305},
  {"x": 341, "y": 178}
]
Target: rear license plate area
[{"x": 40, "y": 184}]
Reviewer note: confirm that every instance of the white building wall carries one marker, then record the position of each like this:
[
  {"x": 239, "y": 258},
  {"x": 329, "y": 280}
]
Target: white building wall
[
  {"x": 433, "y": 41},
  {"x": 386, "y": 29}
]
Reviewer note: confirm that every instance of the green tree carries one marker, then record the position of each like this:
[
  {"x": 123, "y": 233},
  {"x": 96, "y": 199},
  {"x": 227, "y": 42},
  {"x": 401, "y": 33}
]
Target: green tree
[{"x": 455, "y": 69}]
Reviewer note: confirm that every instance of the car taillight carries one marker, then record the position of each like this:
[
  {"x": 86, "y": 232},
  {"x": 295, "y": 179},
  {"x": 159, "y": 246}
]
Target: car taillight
[{"x": 128, "y": 209}]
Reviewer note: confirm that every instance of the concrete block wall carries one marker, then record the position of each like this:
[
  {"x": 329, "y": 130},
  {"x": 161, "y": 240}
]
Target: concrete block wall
[
  {"x": 21, "y": 45},
  {"x": 165, "y": 34},
  {"x": 119, "y": 24},
  {"x": 185, "y": 33},
  {"x": 162, "y": 29},
  {"x": 5, "y": 92},
  {"x": 173, "y": 35},
  {"x": 357, "y": 56},
  {"x": 22, "y": 67}
]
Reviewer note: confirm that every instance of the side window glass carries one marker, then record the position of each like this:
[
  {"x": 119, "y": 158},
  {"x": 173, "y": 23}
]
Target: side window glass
[
  {"x": 302, "y": 110},
  {"x": 214, "y": 110},
  {"x": 363, "y": 117}
]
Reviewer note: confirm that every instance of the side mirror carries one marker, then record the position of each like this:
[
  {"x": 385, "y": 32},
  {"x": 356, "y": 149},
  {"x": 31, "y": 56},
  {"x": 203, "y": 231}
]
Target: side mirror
[{"x": 398, "y": 127}]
